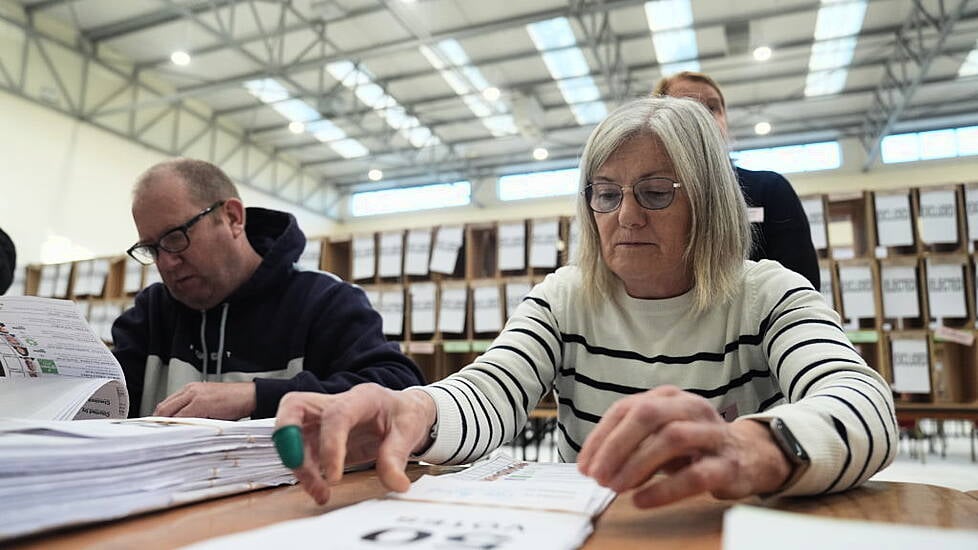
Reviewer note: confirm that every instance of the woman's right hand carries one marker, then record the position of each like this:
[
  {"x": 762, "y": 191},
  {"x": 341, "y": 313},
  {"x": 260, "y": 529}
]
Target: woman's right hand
[{"x": 367, "y": 423}]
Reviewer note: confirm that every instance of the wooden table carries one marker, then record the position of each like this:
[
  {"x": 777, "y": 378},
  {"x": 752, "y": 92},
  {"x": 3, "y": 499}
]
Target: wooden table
[{"x": 692, "y": 524}]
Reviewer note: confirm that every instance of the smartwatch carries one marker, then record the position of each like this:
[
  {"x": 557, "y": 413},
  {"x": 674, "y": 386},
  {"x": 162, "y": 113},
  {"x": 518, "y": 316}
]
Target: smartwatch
[{"x": 791, "y": 449}]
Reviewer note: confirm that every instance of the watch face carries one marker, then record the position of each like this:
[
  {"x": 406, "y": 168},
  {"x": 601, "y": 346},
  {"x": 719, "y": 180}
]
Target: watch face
[{"x": 786, "y": 440}]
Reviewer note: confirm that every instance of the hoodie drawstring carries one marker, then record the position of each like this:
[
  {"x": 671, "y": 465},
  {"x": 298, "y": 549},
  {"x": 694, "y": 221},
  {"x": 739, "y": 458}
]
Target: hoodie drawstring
[
  {"x": 203, "y": 344},
  {"x": 220, "y": 342}
]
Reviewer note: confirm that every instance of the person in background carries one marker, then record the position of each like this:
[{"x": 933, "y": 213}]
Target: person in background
[
  {"x": 668, "y": 350},
  {"x": 235, "y": 325},
  {"x": 782, "y": 231},
  {"x": 8, "y": 262}
]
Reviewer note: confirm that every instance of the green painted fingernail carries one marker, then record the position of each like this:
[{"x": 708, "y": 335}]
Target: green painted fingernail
[{"x": 288, "y": 443}]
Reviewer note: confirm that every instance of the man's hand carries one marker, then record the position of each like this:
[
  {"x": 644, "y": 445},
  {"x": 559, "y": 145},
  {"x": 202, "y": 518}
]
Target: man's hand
[
  {"x": 221, "y": 400},
  {"x": 679, "y": 433},
  {"x": 367, "y": 423}
]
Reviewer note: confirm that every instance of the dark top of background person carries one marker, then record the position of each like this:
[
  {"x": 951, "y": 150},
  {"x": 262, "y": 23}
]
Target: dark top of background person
[
  {"x": 8, "y": 261},
  {"x": 783, "y": 233}
]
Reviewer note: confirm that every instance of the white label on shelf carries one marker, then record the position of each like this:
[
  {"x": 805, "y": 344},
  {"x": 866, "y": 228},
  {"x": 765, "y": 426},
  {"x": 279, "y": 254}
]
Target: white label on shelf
[
  {"x": 900, "y": 298},
  {"x": 363, "y": 256},
  {"x": 938, "y": 216},
  {"x": 882, "y": 252},
  {"x": 911, "y": 365},
  {"x": 451, "y": 314},
  {"x": 857, "y": 292},
  {"x": 825, "y": 278},
  {"x": 61, "y": 283},
  {"x": 945, "y": 290},
  {"x": 373, "y": 296},
  {"x": 843, "y": 253},
  {"x": 392, "y": 311},
  {"x": 512, "y": 246},
  {"x": 444, "y": 255},
  {"x": 488, "y": 310},
  {"x": 418, "y": 250},
  {"x": 100, "y": 273},
  {"x": 816, "y": 221},
  {"x": 893, "y": 224},
  {"x": 391, "y": 253},
  {"x": 83, "y": 278},
  {"x": 543, "y": 246},
  {"x": 422, "y": 307},
  {"x": 515, "y": 292},
  {"x": 971, "y": 206}
]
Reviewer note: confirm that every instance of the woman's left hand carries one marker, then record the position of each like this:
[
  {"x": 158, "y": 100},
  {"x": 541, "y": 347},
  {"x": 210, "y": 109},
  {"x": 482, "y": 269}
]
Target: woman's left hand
[{"x": 679, "y": 433}]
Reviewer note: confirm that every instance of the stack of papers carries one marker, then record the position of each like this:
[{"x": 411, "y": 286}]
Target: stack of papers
[
  {"x": 54, "y": 474},
  {"x": 499, "y": 504}
]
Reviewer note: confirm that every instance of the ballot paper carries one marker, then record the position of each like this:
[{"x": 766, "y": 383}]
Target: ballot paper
[
  {"x": 500, "y": 504},
  {"x": 743, "y": 524},
  {"x": 53, "y": 366},
  {"x": 58, "y": 473},
  {"x": 419, "y": 526}
]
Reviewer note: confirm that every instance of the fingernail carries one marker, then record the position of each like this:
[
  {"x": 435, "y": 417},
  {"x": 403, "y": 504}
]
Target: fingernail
[{"x": 288, "y": 443}]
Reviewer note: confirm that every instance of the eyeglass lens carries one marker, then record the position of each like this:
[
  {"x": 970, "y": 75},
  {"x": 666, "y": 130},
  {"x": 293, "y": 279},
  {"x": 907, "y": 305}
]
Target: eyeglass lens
[{"x": 652, "y": 194}]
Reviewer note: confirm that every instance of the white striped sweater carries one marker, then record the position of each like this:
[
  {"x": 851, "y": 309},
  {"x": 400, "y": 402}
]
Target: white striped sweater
[{"x": 775, "y": 350}]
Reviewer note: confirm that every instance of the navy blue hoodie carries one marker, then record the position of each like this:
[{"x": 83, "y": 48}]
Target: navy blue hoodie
[
  {"x": 784, "y": 235},
  {"x": 287, "y": 329}
]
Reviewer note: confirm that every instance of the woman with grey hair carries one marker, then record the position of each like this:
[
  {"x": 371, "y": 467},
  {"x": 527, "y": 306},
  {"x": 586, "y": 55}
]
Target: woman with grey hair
[{"x": 668, "y": 351}]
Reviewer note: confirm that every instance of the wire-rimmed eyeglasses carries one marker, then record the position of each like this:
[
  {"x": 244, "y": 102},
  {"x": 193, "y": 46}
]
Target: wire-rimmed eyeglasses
[
  {"x": 173, "y": 241},
  {"x": 651, "y": 193}
]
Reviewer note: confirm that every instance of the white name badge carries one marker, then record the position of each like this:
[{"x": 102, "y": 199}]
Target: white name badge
[{"x": 755, "y": 214}]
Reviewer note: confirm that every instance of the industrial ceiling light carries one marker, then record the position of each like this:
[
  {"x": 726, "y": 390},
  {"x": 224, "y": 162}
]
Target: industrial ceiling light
[
  {"x": 491, "y": 93},
  {"x": 180, "y": 58},
  {"x": 762, "y": 53},
  {"x": 297, "y": 127},
  {"x": 541, "y": 153},
  {"x": 375, "y": 174},
  {"x": 762, "y": 128}
]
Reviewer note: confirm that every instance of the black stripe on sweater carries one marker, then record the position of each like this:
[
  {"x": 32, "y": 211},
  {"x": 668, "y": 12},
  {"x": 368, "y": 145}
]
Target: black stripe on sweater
[
  {"x": 879, "y": 415},
  {"x": 869, "y": 433},
  {"x": 485, "y": 407},
  {"x": 478, "y": 425},
  {"x": 804, "y": 343},
  {"x": 543, "y": 344},
  {"x": 805, "y": 370},
  {"x": 465, "y": 426},
  {"x": 544, "y": 388},
  {"x": 801, "y": 322},
  {"x": 766, "y": 404},
  {"x": 746, "y": 339},
  {"x": 509, "y": 395},
  {"x": 542, "y": 303},
  {"x": 573, "y": 444},
  {"x": 840, "y": 428},
  {"x": 586, "y": 416}
]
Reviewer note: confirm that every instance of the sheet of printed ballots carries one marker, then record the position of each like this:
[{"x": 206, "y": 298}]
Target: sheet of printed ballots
[
  {"x": 503, "y": 481},
  {"x": 377, "y": 524}
]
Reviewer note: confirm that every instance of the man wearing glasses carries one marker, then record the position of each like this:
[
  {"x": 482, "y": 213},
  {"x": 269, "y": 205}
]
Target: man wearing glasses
[{"x": 235, "y": 325}]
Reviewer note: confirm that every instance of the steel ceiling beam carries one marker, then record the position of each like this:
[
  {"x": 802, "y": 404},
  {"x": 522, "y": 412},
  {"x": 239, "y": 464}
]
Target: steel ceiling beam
[
  {"x": 74, "y": 96},
  {"x": 146, "y": 21},
  {"x": 912, "y": 56}
]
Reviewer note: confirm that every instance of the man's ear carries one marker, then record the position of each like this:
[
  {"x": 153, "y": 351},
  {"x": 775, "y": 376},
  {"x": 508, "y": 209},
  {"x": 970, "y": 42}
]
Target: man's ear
[{"x": 235, "y": 211}]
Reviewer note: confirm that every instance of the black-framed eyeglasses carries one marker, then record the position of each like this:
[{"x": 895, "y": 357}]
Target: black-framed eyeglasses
[
  {"x": 173, "y": 241},
  {"x": 651, "y": 194}
]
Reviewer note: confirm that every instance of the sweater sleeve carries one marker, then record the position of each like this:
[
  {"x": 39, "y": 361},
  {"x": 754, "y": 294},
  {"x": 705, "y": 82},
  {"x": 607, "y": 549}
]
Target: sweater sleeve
[
  {"x": 485, "y": 404},
  {"x": 346, "y": 346},
  {"x": 839, "y": 409},
  {"x": 130, "y": 346}
]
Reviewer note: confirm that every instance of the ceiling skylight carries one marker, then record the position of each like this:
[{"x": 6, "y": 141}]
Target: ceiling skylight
[
  {"x": 970, "y": 65},
  {"x": 836, "y": 26},
  {"x": 270, "y": 91},
  {"x": 569, "y": 68},
  {"x": 671, "y": 23},
  {"x": 372, "y": 95},
  {"x": 467, "y": 81}
]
